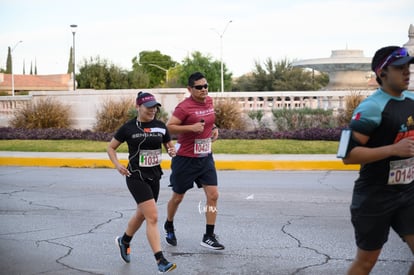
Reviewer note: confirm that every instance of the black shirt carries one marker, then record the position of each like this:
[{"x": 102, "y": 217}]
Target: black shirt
[
  {"x": 141, "y": 137},
  {"x": 386, "y": 120}
]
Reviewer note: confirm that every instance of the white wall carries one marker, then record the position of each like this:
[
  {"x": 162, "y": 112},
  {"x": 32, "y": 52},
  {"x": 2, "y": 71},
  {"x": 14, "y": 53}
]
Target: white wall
[{"x": 85, "y": 103}]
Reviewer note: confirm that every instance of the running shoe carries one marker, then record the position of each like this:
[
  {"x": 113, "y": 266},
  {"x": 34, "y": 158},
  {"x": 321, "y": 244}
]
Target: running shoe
[
  {"x": 170, "y": 236},
  {"x": 211, "y": 242},
  {"x": 125, "y": 250},
  {"x": 165, "y": 266}
]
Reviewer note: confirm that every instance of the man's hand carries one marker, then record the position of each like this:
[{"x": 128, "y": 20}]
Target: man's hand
[
  {"x": 404, "y": 148},
  {"x": 214, "y": 134}
]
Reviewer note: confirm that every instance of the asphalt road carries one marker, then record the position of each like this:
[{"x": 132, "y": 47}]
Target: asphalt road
[{"x": 64, "y": 221}]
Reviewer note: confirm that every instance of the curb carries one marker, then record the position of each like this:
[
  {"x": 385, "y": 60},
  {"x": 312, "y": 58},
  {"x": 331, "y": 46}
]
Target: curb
[{"x": 220, "y": 164}]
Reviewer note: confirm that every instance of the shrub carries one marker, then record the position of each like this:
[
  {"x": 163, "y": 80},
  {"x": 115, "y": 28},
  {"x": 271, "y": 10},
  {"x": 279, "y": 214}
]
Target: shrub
[
  {"x": 229, "y": 114},
  {"x": 351, "y": 102},
  {"x": 52, "y": 134},
  {"x": 42, "y": 113},
  {"x": 113, "y": 114},
  {"x": 305, "y": 118},
  {"x": 161, "y": 114},
  {"x": 256, "y": 116},
  {"x": 331, "y": 134}
]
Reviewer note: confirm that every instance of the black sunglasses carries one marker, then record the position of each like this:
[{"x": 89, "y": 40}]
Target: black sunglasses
[{"x": 200, "y": 87}]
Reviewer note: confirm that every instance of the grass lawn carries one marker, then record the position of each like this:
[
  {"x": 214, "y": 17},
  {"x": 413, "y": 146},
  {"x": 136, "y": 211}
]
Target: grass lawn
[{"x": 225, "y": 146}]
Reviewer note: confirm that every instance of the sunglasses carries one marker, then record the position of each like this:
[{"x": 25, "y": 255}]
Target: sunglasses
[
  {"x": 401, "y": 52},
  {"x": 200, "y": 87}
]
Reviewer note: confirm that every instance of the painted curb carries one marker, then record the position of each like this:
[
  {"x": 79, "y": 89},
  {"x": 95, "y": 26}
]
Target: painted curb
[{"x": 220, "y": 164}]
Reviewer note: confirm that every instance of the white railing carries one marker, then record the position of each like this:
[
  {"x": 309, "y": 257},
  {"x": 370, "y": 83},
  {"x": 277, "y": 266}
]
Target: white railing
[
  {"x": 86, "y": 103},
  {"x": 8, "y": 105},
  {"x": 266, "y": 101}
]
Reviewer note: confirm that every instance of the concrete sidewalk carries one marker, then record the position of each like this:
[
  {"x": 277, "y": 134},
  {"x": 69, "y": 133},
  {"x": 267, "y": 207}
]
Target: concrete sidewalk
[{"x": 223, "y": 161}]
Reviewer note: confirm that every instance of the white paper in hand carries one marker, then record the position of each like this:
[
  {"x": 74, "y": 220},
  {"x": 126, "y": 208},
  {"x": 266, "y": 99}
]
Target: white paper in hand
[{"x": 344, "y": 143}]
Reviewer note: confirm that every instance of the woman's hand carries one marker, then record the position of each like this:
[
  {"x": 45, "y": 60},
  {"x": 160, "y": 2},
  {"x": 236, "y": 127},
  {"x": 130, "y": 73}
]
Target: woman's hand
[
  {"x": 123, "y": 170},
  {"x": 171, "y": 151}
]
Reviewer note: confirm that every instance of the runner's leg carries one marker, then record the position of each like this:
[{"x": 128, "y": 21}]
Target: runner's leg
[{"x": 364, "y": 262}]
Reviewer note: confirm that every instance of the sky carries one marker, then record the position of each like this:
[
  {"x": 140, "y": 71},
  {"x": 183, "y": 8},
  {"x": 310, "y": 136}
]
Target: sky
[{"x": 117, "y": 31}]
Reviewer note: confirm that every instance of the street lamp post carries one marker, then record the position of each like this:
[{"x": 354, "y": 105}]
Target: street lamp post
[
  {"x": 221, "y": 53},
  {"x": 11, "y": 57},
  {"x": 73, "y": 28}
]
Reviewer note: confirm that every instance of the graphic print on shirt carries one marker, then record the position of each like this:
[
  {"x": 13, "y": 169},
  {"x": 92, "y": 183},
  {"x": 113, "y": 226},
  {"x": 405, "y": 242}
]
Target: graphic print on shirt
[
  {"x": 406, "y": 130},
  {"x": 402, "y": 171}
]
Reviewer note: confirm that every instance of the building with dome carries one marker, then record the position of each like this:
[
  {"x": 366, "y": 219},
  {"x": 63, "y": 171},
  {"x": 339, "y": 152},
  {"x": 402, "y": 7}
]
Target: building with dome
[
  {"x": 347, "y": 69},
  {"x": 350, "y": 69}
]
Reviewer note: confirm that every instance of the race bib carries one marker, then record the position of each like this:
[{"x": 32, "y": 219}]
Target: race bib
[
  {"x": 401, "y": 171},
  {"x": 202, "y": 146},
  {"x": 149, "y": 158}
]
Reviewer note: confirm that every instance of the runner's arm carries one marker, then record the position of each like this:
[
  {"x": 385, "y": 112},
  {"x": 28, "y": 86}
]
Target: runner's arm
[
  {"x": 111, "y": 150},
  {"x": 363, "y": 155},
  {"x": 175, "y": 127}
]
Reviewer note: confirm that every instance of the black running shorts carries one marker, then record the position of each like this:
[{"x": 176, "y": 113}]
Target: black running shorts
[
  {"x": 373, "y": 216},
  {"x": 143, "y": 190},
  {"x": 186, "y": 171}
]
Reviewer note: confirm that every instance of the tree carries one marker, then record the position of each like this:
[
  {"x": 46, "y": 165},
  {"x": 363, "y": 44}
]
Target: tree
[
  {"x": 99, "y": 74},
  {"x": 93, "y": 74},
  {"x": 211, "y": 69},
  {"x": 70, "y": 62},
  {"x": 282, "y": 76},
  {"x": 174, "y": 76},
  {"x": 9, "y": 62},
  {"x": 263, "y": 77},
  {"x": 117, "y": 78},
  {"x": 156, "y": 65},
  {"x": 244, "y": 83},
  {"x": 138, "y": 79}
]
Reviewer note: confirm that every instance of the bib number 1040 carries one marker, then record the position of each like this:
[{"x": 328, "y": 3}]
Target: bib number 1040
[{"x": 202, "y": 146}]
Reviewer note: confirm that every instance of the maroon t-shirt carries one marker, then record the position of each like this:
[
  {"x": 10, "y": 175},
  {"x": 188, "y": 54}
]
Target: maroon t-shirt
[{"x": 189, "y": 112}]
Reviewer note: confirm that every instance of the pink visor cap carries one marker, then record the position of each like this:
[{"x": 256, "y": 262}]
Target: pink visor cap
[{"x": 148, "y": 100}]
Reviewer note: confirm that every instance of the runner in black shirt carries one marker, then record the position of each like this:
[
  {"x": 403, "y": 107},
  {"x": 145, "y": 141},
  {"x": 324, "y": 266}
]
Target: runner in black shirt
[{"x": 144, "y": 136}]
